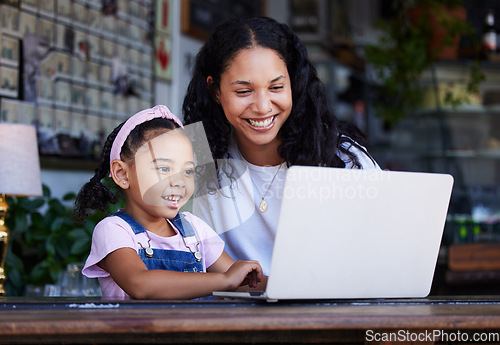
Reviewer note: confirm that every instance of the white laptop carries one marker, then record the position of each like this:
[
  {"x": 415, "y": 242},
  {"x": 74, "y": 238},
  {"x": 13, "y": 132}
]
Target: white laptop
[{"x": 356, "y": 234}]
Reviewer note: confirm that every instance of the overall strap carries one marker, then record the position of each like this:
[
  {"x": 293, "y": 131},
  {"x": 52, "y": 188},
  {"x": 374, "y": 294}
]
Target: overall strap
[
  {"x": 136, "y": 227},
  {"x": 188, "y": 234},
  {"x": 184, "y": 227}
]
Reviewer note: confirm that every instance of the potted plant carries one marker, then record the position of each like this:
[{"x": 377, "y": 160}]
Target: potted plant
[
  {"x": 44, "y": 239},
  {"x": 410, "y": 44}
]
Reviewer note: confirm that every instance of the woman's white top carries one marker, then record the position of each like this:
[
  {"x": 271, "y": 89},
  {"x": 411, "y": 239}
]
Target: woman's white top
[{"x": 233, "y": 212}]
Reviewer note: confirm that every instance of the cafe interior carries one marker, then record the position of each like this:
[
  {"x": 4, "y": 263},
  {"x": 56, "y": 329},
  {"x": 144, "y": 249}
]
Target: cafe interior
[{"x": 72, "y": 70}]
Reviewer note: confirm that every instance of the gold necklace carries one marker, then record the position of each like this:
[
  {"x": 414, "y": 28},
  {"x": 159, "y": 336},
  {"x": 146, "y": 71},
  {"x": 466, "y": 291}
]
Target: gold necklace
[{"x": 263, "y": 203}]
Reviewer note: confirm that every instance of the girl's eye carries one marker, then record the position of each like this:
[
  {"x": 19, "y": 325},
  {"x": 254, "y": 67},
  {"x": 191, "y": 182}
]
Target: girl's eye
[
  {"x": 276, "y": 87},
  {"x": 242, "y": 92},
  {"x": 163, "y": 169}
]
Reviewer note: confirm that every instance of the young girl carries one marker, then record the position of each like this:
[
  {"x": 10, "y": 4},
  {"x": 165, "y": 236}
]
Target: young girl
[{"x": 150, "y": 250}]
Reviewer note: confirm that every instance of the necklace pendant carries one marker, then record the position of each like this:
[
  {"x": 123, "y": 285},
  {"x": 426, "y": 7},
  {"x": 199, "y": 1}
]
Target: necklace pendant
[
  {"x": 149, "y": 252},
  {"x": 197, "y": 256},
  {"x": 263, "y": 206}
]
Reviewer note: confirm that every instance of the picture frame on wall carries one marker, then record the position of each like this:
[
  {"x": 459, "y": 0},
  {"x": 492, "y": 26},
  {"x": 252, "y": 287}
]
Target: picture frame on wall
[
  {"x": 63, "y": 11},
  {"x": 9, "y": 82},
  {"x": 9, "y": 51},
  {"x": 163, "y": 57},
  {"x": 9, "y": 110},
  {"x": 10, "y": 20},
  {"x": 27, "y": 113},
  {"x": 27, "y": 24}
]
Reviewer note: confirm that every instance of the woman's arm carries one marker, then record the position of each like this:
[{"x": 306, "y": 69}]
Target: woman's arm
[{"x": 131, "y": 274}]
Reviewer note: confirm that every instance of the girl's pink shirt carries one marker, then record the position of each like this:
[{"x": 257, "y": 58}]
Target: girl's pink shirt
[{"x": 113, "y": 233}]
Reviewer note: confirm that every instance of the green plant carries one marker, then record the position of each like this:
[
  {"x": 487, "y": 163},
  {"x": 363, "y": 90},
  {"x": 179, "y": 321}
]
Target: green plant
[
  {"x": 402, "y": 54},
  {"x": 44, "y": 238}
]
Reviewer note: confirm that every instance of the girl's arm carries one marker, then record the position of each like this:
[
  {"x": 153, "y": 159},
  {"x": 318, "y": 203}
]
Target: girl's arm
[{"x": 131, "y": 274}]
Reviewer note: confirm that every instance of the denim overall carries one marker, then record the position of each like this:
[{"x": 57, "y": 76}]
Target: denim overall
[{"x": 172, "y": 260}]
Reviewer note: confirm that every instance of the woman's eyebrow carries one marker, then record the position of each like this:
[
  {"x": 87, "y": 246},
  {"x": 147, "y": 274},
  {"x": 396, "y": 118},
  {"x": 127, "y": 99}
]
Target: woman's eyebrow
[{"x": 246, "y": 82}]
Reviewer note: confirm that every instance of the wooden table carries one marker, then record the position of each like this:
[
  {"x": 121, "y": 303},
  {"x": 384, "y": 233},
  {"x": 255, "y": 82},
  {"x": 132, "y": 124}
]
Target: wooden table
[{"x": 92, "y": 320}]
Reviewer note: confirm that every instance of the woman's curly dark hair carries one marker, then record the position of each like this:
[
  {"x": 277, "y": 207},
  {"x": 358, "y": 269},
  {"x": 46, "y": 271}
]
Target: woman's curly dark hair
[
  {"x": 94, "y": 195},
  {"x": 312, "y": 135}
]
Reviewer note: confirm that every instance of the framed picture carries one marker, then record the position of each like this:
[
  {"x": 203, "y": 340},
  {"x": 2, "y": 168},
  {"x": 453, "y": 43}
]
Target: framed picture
[
  {"x": 8, "y": 110},
  {"x": 93, "y": 75},
  {"x": 44, "y": 90},
  {"x": 79, "y": 13},
  {"x": 28, "y": 24},
  {"x": 78, "y": 69},
  {"x": 9, "y": 51},
  {"x": 123, "y": 53},
  {"x": 122, "y": 29},
  {"x": 27, "y": 113},
  {"x": 163, "y": 57},
  {"x": 135, "y": 33},
  {"x": 78, "y": 96},
  {"x": 146, "y": 61},
  {"x": 61, "y": 36},
  {"x": 94, "y": 126},
  {"x": 92, "y": 99},
  {"x": 78, "y": 124},
  {"x": 108, "y": 48},
  {"x": 107, "y": 101},
  {"x": 47, "y": 140},
  {"x": 94, "y": 43},
  {"x": 94, "y": 19},
  {"x": 46, "y": 30},
  {"x": 62, "y": 93},
  {"x": 10, "y": 20},
  {"x": 164, "y": 17},
  {"x": 108, "y": 25},
  {"x": 46, "y": 7},
  {"x": 63, "y": 10},
  {"x": 62, "y": 63},
  {"x": 105, "y": 75},
  {"x": 63, "y": 121},
  {"x": 9, "y": 82},
  {"x": 121, "y": 106}
]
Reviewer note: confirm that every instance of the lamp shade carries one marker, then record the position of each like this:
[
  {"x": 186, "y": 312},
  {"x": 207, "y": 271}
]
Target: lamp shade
[{"x": 19, "y": 160}]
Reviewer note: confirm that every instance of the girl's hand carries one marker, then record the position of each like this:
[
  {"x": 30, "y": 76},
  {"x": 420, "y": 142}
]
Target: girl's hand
[{"x": 243, "y": 273}]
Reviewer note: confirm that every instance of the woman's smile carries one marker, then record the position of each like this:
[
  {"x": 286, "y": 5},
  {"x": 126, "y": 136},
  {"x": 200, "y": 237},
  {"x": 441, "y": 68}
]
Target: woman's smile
[{"x": 262, "y": 123}]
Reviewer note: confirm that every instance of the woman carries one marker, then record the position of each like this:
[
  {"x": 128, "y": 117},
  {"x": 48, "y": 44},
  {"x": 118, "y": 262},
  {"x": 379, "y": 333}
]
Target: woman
[{"x": 264, "y": 109}]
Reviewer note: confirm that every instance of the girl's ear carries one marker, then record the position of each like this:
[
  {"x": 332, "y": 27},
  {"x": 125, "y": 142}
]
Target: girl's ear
[{"x": 119, "y": 173}]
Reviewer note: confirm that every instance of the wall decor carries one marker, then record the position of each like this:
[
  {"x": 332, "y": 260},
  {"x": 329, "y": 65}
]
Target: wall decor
[{"x": 69, "y": 48}]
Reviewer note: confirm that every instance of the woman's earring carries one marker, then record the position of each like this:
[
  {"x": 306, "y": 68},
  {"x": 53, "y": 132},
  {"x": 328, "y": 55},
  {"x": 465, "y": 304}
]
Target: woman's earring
[{"x": 270, "y": 109}]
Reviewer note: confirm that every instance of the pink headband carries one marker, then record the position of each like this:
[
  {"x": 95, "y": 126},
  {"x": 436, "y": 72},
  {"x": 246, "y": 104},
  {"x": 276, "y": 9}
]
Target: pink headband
[{"x": 141, "y": 117}]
